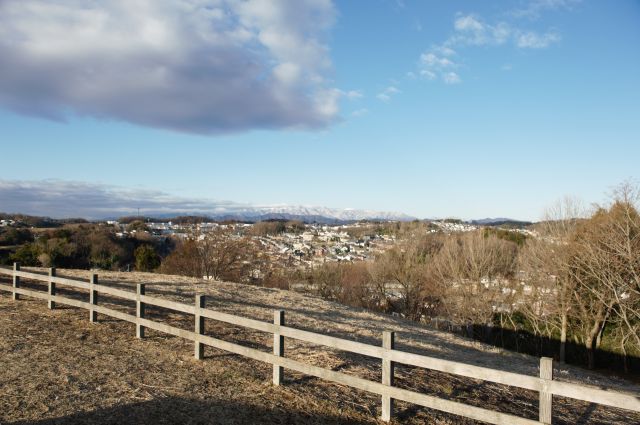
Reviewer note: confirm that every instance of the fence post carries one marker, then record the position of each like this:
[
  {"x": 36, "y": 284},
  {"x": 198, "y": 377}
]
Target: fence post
[
  {"x": 52, "y": 288},
  {"x": 199, "y": 347},
  {"x": 16, "y": 280},
  {"x": 546, "y": 398},
  {"x": 278, "y": 346},
  {"x": 139, "y": 310},
  {"x": 388, "y": 342},
  {"x": 93, "y": 298}
]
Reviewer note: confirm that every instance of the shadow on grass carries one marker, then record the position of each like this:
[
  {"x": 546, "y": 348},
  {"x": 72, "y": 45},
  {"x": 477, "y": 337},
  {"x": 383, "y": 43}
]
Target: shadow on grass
[{"x": 177, "y": 410}]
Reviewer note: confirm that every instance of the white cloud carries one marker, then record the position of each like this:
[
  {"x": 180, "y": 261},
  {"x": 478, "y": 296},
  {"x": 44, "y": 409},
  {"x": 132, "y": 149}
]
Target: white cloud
[
  {"x": 468, "y": 23},
  {"x": 439, "y": 61},
  {"x": 353, "y": 94},
  {"x": 429, "y": 75},
  {"x": 431, "y": 60},
  {"x": 451, "y": 78},
  {"x": 60, "y": 199},
  {"x": 534, "y": 40},
  {"x": 472, "y": 30},
  {"x": 388, "y": 93},
  {"x": 204, "y": 66},
  {"x": 534, "y": 8},
  {"x": 392, "y": 90},
  {"x": 444, "y": 50}
]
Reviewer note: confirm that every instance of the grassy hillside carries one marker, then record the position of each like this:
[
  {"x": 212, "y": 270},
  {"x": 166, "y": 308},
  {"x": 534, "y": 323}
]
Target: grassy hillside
[{"x": 62, "y": 369}]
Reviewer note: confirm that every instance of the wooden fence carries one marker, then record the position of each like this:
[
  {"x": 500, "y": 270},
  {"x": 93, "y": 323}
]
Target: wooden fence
[{"x": 389, "y": 356}]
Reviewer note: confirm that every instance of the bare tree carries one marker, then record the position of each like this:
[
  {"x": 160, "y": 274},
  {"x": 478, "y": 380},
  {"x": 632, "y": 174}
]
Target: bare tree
[
  {"x": 547, "y": 297},
  {"x": 225, "y": 255},
  {"x": 184, "y": 260},
  {"x": 473, "y": 271},
  {"x": 607, "y": 268},
  {"x": 218, "y": 254},
  {"x": 403, "y": 273}
]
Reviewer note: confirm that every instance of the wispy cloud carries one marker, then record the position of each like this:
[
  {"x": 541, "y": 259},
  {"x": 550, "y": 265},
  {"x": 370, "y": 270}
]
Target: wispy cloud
[
  {"x": 195, "y": 66},
  {"x": 388, "y": 93},
  {"x": 471, "y": 30},
  {"x": 534, "y": 8},
  {"x": 441, "y": 61},
  {"x": 59, "y": 199},
  {"x": 451, "y": 78},
  {"x": 532, "y": 40},
  {"x": 352, "y": 94}
]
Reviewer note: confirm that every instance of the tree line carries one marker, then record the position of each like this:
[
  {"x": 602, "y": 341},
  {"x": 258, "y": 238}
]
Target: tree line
[
  {"x": 86, "y": 246},
  {"x": 575, "y": 285}
]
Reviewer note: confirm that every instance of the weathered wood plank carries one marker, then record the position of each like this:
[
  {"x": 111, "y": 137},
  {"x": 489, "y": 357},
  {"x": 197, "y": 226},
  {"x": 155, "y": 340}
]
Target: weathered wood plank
[
  {"x": 120, "y": 293},
  {"x": 140, "y": 307},
  {"x": 546, "y": 398},
  {"x": 171, "y": 305},
  {"x": 16, "y": 281},
  {"x": 388, "y": 343},
  {"x": 129, "y": 295},
  {"x": 333, "y": 342},
  {"x": 45, "y": 278},
  {"x": 93, "y": 298},
  {"x": 115, "y": 314},
  {"x": 52, "y": 288},
  {"x": 471, "y": 371},
  {"x": 278, "y": 346},
  {"x": 595, "y": 395},
  {"x": 24, "y": 291},
  {"x": 239, "y": 321},
  {"x": 71, "y": 302},
  {"x": 65, "y": 281},
  {"x": 199, "y": 325}
]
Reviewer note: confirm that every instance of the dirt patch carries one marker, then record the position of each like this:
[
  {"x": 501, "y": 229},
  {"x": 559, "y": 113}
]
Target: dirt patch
[{"x": 59, "y": 368}]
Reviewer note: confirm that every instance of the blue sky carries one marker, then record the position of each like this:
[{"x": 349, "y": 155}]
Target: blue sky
[{"x": 435, "y": 109}]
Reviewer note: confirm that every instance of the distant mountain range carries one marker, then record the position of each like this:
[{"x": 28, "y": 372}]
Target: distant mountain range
[
  {"x": 307, "y": 214},
  {"x": 92, "y": 201},
  {"x": 59, "y": 198},
  {"x": 320, "y": 215}
]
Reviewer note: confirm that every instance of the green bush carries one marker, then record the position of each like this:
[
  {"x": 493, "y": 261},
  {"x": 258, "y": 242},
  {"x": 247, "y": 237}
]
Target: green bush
[{"x": 146, "y": 258}]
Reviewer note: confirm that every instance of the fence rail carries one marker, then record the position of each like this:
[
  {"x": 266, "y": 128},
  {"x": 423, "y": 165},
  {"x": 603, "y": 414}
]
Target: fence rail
[{"x": 389, "y": 356}]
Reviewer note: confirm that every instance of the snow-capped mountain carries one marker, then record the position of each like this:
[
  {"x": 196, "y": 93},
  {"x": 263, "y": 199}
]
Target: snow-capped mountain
[
  {"x": 61, "y": 199},
  {"x": 306, "y": 213}
]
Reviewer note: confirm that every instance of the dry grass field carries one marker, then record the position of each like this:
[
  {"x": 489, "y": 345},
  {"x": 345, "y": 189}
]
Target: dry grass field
[{"x": 58, "y": 368}]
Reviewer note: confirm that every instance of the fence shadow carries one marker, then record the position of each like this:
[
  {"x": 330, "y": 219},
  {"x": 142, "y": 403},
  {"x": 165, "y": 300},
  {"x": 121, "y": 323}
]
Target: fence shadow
[
  {"x": 523, "y": 341},
  {"x": 179, "y": 410}
]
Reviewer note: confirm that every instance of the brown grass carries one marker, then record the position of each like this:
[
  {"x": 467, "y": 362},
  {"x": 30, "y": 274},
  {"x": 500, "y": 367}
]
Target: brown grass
[{"x": 59, "y": 368}]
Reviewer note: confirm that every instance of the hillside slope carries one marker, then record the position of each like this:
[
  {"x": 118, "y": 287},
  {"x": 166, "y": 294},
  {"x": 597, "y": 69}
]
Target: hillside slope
[{"x": 62, "y": 369}]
